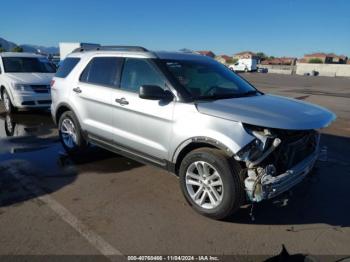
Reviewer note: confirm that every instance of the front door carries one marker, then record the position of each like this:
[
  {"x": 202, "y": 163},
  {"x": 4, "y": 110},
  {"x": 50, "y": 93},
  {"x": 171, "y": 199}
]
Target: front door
[{"x": 142, "y": 125}]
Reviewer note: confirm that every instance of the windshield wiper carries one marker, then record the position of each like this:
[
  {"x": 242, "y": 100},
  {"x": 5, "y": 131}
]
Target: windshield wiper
[
  {"x": 226, "y": 96},
  {"x": 217, "y": 96},
  {"x": 250, "y": 93}
]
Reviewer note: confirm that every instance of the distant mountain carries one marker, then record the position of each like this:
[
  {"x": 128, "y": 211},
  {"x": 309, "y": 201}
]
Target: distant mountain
[
  {"x": 29, "y": 49},
  {"x": 8, "y": 46},
  {"x": 40, "y": 49}
]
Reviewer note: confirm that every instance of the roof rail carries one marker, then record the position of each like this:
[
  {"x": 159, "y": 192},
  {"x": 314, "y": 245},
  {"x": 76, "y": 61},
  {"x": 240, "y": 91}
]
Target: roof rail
[
  {"x": 123, "y": 48},
  {"x": 110, "y": 48}
]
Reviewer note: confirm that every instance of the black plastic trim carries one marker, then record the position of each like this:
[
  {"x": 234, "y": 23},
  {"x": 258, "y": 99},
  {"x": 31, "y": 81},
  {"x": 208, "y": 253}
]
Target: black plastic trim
[
  {"x": 129, "y": 152},
  {"x": 202, "y": 140},
  {"x": 54, "y": 114}
]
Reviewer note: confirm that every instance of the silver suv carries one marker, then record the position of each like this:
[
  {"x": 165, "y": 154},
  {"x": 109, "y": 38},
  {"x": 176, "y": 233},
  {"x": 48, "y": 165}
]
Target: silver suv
[{"x": 228, "y": 142}]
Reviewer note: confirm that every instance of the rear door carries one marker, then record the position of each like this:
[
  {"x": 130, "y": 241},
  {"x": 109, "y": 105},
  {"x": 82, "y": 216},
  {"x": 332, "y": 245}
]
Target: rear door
[
  {"x": 139, "y": 124},
  {"x": 93, "y": 95}
]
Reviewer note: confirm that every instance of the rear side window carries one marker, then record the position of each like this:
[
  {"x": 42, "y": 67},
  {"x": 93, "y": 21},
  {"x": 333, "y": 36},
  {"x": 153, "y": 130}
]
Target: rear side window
[
  {"x": 67, "y": 66},
  {"x": 102, "y": 71}
]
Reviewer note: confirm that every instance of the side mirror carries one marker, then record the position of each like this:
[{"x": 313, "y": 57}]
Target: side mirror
[{"x": 153, "y": 92}]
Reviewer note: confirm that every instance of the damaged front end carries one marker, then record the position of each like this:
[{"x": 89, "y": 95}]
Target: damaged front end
[{"x": 276, "y": 160}]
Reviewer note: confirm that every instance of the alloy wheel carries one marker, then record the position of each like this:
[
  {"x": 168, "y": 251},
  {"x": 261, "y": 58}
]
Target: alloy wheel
[
  {"x": 204, "y": 184},
  {"x": 68, "y": 133}
]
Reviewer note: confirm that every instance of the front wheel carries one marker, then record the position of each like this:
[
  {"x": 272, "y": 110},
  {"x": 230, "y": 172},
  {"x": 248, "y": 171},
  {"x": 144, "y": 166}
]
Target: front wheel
[
  {"x": 9, "y": 108},
  {"x": 210, "y": 182},
  {"x": 70, "y": 133}
]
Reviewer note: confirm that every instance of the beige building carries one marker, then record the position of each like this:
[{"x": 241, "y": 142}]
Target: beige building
[
  {"x": 245, "y": 55},
  {"x": 280, "y": 61},
  {"x": 224, "y": 59},
  {"x": 330, "y": 58},
  {"x": 325, "y": 58},
  {"x": 206, "y": 53}
]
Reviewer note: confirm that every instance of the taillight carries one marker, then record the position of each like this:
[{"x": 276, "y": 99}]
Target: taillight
[{"x": 52, "y": 83}]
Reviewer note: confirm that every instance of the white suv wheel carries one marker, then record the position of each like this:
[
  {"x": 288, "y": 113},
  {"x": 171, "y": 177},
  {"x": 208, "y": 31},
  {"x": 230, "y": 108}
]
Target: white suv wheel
[
  {"x": 69, "y": 134},
  {"x": 7, "y": 102}
]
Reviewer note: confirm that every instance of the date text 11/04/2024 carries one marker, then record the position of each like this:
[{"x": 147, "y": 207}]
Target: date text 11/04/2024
[{"x": 173, "y": 258}]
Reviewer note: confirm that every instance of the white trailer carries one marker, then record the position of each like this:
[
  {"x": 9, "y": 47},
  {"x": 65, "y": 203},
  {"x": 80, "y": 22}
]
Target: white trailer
[
  {"x": 67, "y": 48},
  {"x": 245, "y": 65}
]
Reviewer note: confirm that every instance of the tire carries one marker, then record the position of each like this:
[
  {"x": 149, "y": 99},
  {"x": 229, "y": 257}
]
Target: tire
[
  {"x": 231, "y": 195},
  {"x": 6, "y": 99},
  {"x": 10, "y": 126},
  {"x": 70, "y": 133}
]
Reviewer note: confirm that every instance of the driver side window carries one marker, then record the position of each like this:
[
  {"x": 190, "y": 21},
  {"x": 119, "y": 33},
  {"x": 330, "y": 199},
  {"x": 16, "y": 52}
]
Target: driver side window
[{"x": 138, "y": 72}]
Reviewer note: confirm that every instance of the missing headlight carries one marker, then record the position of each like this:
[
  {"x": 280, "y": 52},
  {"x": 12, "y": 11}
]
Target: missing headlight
[{"x": 264, "y": 139}]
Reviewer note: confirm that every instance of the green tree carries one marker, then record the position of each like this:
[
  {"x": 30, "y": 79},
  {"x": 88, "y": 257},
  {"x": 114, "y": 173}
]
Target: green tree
[
  {"x": 17, "y": 49},
  {"x": 2, "y": 49},
  {"x": 315, "y": 61},
  {"x": 261, "y": 55},
  {"x": 231, "y": 61}
]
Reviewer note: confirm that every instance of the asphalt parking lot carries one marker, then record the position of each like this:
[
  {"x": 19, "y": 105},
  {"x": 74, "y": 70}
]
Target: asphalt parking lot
[{"x": 102, "y": 203}]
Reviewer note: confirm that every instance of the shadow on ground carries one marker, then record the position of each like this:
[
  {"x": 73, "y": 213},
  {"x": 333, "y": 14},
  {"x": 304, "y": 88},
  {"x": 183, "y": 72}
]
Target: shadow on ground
[{"x": 29, "y": 147}]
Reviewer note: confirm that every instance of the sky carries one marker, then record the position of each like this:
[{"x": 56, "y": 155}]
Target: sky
[{"x": 275, "y": 27}]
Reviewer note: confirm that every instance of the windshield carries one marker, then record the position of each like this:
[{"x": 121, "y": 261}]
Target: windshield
[
  {"x": 209, "y": 79},
  {"x": 27, "y": 65}
]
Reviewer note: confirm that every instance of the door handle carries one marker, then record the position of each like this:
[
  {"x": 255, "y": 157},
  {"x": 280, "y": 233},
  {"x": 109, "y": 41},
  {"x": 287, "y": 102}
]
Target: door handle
[
  {"x": 122, "y": 101},
  {"x": 77, "y": 90}
]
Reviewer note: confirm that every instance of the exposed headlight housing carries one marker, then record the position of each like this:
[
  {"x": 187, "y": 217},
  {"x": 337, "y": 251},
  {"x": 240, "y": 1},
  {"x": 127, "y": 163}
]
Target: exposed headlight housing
[
  {"x": 23, "y": 88},
  {"x": 263, "y": 139},
  {"x": 250, "y": 151}
]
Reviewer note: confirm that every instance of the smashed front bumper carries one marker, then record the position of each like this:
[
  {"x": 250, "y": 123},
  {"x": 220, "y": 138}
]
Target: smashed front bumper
[
  {"x": 295, "y": 157},
  {"x": 272, "y": 186}
]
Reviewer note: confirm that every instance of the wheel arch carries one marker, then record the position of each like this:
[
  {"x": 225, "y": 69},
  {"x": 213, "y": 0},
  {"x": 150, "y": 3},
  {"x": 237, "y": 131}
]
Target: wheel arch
[
  {"x": 195, "y": 143},
  {"x": 2, "y": 88},
  {"x": 61, "y": 108}
]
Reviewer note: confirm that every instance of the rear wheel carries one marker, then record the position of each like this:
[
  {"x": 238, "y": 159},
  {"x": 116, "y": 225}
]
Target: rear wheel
[
  {"x": 211, "y": 183},
  {"x": 70, "y": 133},
  {"x": 9, "y": 108}
]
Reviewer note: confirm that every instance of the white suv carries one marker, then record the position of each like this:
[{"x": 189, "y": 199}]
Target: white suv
[
  {"x": 25, "y": 80},
  {"x": 190, "y": 115}
]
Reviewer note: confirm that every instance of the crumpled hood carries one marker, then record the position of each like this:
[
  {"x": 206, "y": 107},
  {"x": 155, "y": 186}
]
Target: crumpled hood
[
  {"x": 269, "y": 111},
  {"x": 31, "y": 78}
]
